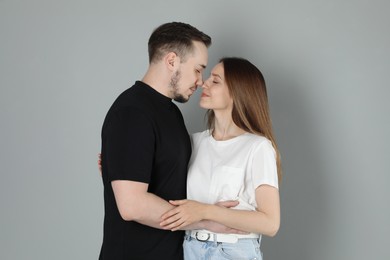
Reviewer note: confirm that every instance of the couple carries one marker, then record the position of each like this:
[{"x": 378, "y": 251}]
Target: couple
[{"x": 233, "y": 167}]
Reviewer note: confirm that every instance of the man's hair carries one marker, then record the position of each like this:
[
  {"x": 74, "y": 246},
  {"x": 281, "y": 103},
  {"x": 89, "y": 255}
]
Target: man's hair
[{"x": 174, "y": 37}]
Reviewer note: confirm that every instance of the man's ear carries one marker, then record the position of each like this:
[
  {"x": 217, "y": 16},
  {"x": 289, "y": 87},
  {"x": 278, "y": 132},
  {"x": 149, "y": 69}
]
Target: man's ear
[{"x": 172, "y": 61}]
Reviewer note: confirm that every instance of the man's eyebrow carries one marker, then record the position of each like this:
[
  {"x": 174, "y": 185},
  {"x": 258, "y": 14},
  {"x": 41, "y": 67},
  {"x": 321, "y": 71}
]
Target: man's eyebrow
[{"x": 203, "y": 66}]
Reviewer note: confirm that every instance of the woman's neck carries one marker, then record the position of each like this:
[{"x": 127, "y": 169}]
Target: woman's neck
[{"x": 225, "y": 128}]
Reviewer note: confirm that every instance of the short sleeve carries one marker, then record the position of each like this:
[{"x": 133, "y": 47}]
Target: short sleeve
[
  {"x": 264, "y": 169},
  {"x": 129, "y": 152}
]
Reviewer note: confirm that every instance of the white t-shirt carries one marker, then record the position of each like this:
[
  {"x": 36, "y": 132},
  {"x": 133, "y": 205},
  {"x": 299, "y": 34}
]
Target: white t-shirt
[{"x": 231, "y": 169}]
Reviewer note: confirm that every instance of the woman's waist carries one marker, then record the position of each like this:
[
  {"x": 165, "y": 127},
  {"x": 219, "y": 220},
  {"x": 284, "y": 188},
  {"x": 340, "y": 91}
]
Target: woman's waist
[{"x": 206, "y": 235}]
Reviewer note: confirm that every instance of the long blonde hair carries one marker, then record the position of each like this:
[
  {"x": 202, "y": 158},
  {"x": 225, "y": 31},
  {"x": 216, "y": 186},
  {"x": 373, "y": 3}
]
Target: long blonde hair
[{"x": 250, "y": 112}]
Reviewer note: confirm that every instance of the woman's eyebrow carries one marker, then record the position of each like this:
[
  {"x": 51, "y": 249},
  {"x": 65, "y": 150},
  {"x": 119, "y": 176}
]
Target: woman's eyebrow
[{"x": 216, "y": 75}]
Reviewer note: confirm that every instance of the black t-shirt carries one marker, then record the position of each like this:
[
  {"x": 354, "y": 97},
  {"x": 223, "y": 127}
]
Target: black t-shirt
[{"x": 144, "y": 139}]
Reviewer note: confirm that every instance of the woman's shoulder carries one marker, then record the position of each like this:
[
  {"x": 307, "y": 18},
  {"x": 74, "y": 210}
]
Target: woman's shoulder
[
  {"x": 257, "y": 138},
  {"x": 200, "y": 135},
  {"x": 258, "y": 141}
]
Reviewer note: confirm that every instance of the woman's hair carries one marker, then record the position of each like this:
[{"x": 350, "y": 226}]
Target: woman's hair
[
  {"x": 174, "y": 37},
  {"x": 250, "y": 112}
]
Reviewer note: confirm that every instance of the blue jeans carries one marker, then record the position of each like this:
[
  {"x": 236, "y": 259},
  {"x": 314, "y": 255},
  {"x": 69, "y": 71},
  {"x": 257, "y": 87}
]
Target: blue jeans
[{"x": 246, "y": 248}]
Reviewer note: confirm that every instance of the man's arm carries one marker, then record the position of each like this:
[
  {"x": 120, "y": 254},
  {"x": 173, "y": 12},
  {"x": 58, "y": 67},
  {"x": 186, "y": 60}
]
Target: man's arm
[{"x": 135, "y": 203}]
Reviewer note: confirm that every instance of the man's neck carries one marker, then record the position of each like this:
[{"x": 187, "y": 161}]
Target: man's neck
[{"x": 157, "y": 80}]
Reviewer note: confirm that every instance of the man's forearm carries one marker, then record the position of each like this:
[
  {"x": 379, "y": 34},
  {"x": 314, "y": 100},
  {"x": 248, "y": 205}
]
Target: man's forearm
[
  {"x": 150, "y": 209},
  {"x": 135, "y": 203}
]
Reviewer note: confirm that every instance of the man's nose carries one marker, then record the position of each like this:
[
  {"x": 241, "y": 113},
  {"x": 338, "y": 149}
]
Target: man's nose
[{"x": 199, "y": 82}]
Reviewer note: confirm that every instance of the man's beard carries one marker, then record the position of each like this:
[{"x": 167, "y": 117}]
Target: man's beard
[{"x": 173, "y": 85}]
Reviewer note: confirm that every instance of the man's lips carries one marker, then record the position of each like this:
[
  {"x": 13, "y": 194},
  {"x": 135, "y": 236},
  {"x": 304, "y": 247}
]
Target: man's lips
[
  {"x": 204, "y": 95},
  {"x": 193, "y": 89}
]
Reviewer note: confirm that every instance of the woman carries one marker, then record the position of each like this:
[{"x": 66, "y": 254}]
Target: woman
[{"x": 236, "y": 158}]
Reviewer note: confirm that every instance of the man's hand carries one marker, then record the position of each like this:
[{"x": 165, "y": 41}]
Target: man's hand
[{"x": 100, "y": 163}]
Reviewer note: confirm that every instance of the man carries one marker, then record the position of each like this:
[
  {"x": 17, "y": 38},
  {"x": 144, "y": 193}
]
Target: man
[{"x": 146, "y": 147}]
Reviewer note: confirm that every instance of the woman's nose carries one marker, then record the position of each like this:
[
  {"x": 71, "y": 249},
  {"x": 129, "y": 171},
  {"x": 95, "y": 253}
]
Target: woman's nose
[{"x": 204, "y": 85}]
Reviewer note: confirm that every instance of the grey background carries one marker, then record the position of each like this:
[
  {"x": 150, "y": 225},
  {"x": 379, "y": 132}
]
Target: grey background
[{"x": 326, "y": 63}]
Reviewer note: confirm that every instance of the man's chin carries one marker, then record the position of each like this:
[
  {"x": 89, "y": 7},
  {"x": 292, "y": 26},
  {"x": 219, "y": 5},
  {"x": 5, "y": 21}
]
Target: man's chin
[{"x": 181, "y": 99}]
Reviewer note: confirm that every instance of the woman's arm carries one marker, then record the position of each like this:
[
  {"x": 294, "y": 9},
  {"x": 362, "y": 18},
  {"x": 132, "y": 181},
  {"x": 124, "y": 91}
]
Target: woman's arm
[
  {"x": 215, "y": 226},
  {"x": 265, "y": 220}
]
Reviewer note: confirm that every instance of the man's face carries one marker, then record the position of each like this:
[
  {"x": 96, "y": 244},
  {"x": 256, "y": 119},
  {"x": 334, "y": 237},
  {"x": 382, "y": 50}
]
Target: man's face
[{"x": 188, "y": 76}]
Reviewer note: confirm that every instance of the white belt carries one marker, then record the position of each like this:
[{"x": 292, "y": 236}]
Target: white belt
[{"x": 204, "y": 236}]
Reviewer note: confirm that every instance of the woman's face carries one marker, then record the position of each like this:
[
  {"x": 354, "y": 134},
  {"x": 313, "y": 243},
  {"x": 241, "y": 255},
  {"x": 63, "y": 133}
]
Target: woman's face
[{"x": 215, "y": 94}]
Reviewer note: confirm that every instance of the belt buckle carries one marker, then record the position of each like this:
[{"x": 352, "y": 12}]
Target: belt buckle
[{"x": 202, "y": 235}]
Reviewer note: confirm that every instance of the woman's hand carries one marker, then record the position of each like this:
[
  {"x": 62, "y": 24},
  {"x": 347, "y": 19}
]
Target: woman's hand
[
  {"x": 188, "y": 212},
  {"x": 185, "y": 213}
]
